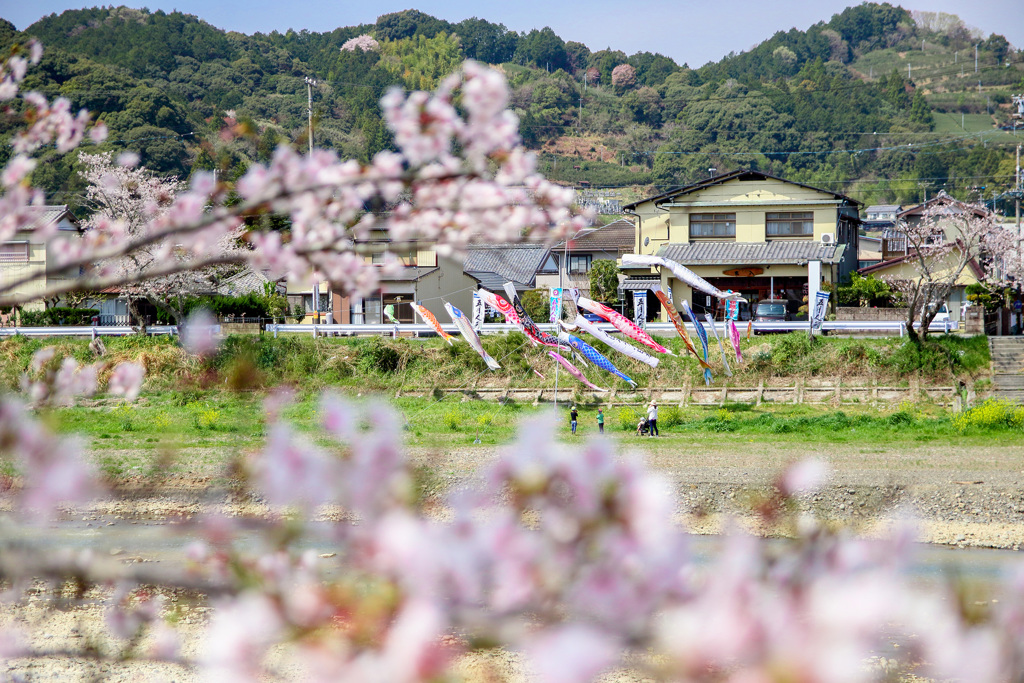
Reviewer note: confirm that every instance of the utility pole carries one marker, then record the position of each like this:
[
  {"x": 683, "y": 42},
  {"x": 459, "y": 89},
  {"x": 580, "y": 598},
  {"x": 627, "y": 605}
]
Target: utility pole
[
  {"x": 908, "y": 71},
  {"x": 309, "y": 92},
  {"x": 1016, "y": 201},
  {"x": 975, "y": 59}
]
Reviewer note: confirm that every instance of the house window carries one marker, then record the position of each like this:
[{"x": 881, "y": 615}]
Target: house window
[
  {"x": 789, "y": 224},
  {"x": 579, "y": 264},
  {"x": 712, "y": 225},
  {"x": 14, "y": 252}
]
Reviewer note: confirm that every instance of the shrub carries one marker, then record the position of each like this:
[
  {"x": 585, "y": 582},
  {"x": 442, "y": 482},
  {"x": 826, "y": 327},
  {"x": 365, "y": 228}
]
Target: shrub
[
  {"x": 627, "y": 419},
  {"x": 203, "y": 416},
  {"x": 988, "y": 414},
  {"x": 669, "y": 416},
  {"x": 379, "y": 356},
  {"x": 452, "y": 420},
  {"x": 124, "y": 414}
]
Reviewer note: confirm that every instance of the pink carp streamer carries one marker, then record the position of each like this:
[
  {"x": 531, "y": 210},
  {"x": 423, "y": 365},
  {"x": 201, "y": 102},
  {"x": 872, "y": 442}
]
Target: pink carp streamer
[
  {"x": 469, "y": 334},
  {"x": 734, "y": 337},
  {"x": 574, "y": 371},
  {"x": 504, "y": 308},
  {"x": 673, "y": 315},
  {"x": 622, "y": 324},
  {"x": 617, "y": 344},
  {"x": 429, "y": 319}
]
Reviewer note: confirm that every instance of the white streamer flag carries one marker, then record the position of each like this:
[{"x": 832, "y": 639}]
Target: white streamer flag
[
  {"x": 478, "y": 311},
  {"x": 820, "y": 308},
  {"x": 640, "y": 309}
]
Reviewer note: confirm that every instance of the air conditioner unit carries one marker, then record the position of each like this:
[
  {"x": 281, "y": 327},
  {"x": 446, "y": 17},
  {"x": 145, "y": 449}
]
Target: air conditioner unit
[{"x": 827, "y": 238}]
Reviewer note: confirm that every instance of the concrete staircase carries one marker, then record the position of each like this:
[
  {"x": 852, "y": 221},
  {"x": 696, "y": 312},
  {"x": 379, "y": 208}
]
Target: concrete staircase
[{"x": 1007, "y": 367}]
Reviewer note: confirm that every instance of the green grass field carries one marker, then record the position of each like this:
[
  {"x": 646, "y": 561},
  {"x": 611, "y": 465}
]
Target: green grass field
[{"x": 198, "y": 435}]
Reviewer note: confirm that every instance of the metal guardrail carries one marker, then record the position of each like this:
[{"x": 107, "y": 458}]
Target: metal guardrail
[
  {"x": 655, "y": 329},
  {"x": 95, "y": 331}
]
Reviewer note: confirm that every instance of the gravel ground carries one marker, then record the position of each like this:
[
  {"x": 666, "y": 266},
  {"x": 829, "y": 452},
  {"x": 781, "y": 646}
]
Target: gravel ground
[{"x": 957, "y": 498}]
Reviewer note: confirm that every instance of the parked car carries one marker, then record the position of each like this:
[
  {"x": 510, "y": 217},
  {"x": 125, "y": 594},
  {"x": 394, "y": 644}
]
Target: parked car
[
  {"x": 771, "y": 310},
  {"x": 943, "y": 314}
]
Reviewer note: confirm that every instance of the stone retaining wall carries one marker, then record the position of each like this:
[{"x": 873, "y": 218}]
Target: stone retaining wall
[{"x": 809, "y": 392}]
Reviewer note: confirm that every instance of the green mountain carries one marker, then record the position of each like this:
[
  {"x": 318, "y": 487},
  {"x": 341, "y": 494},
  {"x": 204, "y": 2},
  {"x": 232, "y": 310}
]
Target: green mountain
[{"x": 877, "y": 102}]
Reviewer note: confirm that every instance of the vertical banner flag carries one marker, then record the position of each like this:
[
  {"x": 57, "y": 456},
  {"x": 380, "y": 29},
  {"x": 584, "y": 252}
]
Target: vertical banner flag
[
  {"x": 478, "y": 311},
  {"x": 732, "y": 308},
  {"x": 820, "y": 308},
  {"x": 316, "y": 302},
  {"x": 556, "y": 304},
  {"x": 640, "y": 309}
]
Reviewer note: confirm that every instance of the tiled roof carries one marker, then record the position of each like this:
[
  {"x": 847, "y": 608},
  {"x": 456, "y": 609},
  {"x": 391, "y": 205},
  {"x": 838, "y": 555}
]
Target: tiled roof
[
  {"x": 735, "y": 175},
  {"x": 247, "y": 282},
  {"x": 618, "y": 236},
  {"x": 50, "y": 213},
  {"x": 751, "y": 253},
  {"x": 496, "y": 283},
  {"x": 943, "y": 204},
  {"x": 639, "y": 283},
  {"x": 517, "y": 263}
]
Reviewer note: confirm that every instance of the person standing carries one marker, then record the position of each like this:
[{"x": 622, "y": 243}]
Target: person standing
[
  {"x": 652, "y": 418},
  {"x": 600, "y": 421},
  {"x": 573, "y": 415}
]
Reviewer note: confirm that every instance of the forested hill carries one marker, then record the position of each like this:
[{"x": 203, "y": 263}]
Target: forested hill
[{"x": 833, "y": 105}]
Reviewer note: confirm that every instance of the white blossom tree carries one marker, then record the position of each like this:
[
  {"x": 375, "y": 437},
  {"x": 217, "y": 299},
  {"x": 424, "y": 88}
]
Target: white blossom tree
[
  {"x": 126, "y": 200},
  {"x": 950, "y": 242}
]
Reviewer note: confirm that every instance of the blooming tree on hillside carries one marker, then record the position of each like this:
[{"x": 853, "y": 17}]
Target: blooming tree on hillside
[
  {"x": 363, "y": 42},
  {"x": 569, "y": 555}
]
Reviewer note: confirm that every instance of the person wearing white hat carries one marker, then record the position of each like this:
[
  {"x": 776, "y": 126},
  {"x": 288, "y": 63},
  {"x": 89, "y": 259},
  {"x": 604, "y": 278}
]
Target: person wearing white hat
[{"x": 652, "y": 418}]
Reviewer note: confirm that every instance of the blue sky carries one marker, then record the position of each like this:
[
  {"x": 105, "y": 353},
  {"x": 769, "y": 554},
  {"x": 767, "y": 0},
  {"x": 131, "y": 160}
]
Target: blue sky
[{"x": 690, "y": 32}]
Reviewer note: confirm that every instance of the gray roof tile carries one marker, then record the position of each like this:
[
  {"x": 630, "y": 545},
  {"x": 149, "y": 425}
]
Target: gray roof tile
[
  {"x": 751, "y": 253},
  {"x": 518, "y": 263}
]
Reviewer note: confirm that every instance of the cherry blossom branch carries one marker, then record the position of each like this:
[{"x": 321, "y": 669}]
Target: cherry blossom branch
[{"x": 100, "y": 283}]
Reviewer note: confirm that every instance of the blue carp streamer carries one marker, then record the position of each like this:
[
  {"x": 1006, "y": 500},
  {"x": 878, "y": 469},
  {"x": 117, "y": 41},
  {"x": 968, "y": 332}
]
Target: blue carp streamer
[
  {"x": 593, "y": 355},
  {"x": 702, "y": 334}
]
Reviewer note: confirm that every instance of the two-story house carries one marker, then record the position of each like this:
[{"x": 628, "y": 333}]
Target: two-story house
[
  {"x": 572, "y": 259},
  {"x": 749, "y": 232},
  {"x": 24, "y": 258}
]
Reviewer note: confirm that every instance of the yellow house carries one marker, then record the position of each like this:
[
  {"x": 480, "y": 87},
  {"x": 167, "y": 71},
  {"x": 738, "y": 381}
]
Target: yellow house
[
  {"x": 25, "y": 255},
  {"x": 750, "y": 232}
]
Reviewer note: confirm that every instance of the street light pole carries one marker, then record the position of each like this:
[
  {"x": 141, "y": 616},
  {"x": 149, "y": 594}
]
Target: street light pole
[{"x": 309, "y": 93}]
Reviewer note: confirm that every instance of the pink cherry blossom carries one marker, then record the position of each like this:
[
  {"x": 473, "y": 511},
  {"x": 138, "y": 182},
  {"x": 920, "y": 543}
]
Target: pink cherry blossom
[{"x": 126, "y": 380}]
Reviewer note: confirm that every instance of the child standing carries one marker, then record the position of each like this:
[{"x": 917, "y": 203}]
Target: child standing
[
  {"x": 600, "y": 421},
  {"x": 573, "y": 415}
]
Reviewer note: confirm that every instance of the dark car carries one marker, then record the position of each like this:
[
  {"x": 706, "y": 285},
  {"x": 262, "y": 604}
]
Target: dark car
[{"x": 771, "y": 310}]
